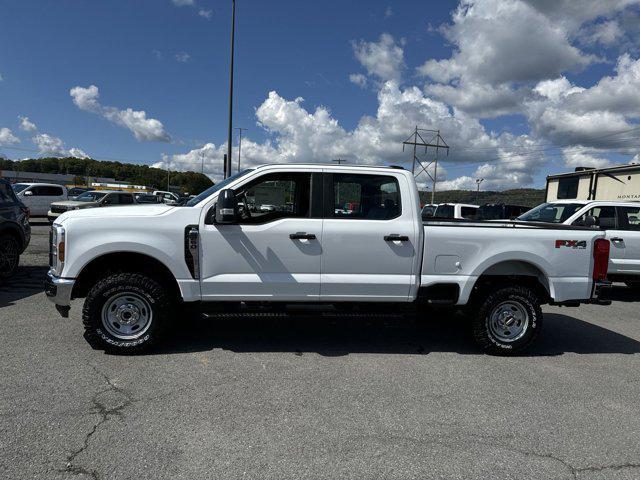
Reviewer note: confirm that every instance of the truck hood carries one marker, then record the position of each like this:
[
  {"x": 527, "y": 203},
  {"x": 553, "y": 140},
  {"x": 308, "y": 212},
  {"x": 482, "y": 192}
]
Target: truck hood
[{"x": 115, "y": 212}]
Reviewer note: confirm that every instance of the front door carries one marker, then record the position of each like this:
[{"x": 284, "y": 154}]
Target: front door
[
  {"x": 629, "y": 239},
  {"x": 273, "y": 252},
  {"x": 369, "y": 241},
  {"x": 607, "y": 220}
]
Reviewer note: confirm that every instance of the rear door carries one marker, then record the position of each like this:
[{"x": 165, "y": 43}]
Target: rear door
[
  {"x": 629, "y": 231},
  {"x": 370, "y": 243}
]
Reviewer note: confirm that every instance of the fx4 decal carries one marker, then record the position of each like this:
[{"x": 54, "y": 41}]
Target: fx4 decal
[{"x": 573, "y": 244}]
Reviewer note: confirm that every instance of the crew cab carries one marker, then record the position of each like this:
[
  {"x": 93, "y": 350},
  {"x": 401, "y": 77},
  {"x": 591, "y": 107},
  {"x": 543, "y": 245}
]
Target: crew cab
[
  {"x": 222, "y": 251},
  {"x": 620, "y": 221}
]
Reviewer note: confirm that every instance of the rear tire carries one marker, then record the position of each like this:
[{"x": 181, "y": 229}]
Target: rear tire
[
  {"x": 126, "y": 313},
  {"x": 9, "y": 255},
  {"x": 508, "y": 321}
]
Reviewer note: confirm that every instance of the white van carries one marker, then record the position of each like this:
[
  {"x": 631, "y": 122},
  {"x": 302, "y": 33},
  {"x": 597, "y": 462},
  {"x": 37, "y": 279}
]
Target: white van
[{"x": 39, "y": 196}]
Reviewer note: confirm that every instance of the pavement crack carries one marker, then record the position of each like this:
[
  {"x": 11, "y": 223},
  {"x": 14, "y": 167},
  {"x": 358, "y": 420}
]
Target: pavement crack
[
  {"x": 621, "y": 466},
  {"x": 104, "y": 412}
]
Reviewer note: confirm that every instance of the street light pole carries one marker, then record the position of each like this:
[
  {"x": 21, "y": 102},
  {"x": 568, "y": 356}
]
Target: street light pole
[
  {"x": 478, "y": 182},
  {"x": 240, "y": 129},
  {"x": 227, "y": 166}
]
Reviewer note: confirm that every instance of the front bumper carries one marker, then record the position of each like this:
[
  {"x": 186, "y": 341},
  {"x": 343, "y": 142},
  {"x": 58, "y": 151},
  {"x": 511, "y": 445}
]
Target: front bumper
[{"x": 58, "y": 291}]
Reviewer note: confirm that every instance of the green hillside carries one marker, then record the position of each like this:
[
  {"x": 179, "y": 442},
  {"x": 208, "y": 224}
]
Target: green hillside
[
  {"x": 190, "y": 182},
  {"x": 528, "y": 197}
]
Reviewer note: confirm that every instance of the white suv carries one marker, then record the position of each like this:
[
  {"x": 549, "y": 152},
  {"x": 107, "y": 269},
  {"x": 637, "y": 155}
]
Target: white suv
[{"x": 39, "y": 196}]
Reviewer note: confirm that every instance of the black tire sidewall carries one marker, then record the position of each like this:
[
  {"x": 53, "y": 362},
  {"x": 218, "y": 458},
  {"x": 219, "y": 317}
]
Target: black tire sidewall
[
  {"x": 10, "y": 238},
  {"x": 482, "y": 333},
  {"x": 117, "y": 284}
]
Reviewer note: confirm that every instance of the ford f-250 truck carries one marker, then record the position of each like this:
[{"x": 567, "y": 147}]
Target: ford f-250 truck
[{"x": 344, "y": 236}]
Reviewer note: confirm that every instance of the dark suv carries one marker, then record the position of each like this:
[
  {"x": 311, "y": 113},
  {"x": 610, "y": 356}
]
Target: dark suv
[{"x": 15, "y": 231}]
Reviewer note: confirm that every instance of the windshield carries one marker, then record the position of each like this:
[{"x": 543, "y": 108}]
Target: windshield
[
  {"x": 551, "y": 212},
  {"x": 90, "y": 196},
  {"x": 444, "y": 211},
  {"x": 18, "y": 187},
  {"x": 218, "y": 186}
]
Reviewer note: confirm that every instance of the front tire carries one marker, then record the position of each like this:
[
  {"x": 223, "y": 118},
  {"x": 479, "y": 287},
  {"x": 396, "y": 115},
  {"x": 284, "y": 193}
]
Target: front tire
[
  {"x": 9, "y": 255},
  {"x": 125, "y": 313},
  {"x": 508, "y": 321}
]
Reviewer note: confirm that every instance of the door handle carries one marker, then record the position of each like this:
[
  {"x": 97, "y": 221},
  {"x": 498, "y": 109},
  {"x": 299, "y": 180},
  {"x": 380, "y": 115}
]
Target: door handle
[
  {"x": 302, "y": 236},
  {"x": 394, "y": 237},
  {"x": 617, "y": 239}
]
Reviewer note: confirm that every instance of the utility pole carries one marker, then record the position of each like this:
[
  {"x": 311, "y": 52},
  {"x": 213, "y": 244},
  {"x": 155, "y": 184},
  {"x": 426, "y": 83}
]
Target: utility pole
[
  {"x": 339, "y": 161},
  {"x": 201, "y": 161},
  {"x": 227, "y": 164},
  {"x": 478, "y": 182},
  {"x": 240, "y": 129},
  {"x": 168, "y": 176},
  {"x": 417, "y": 140}
]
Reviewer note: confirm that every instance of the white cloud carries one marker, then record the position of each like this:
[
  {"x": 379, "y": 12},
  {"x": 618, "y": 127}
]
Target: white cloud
[
  {"x": 27, "y": 125},
  {"x": 183, "y": 3},
  {"x": 300, "y": 135},
  {"x": 383, "y": 59},
  {"x": 52, "y": 146},
  {"x": 483, "y": 100},
  {"x": 388, "y": 12},
  {"x": 49, "y": 145},
  {"x": 580, "y": 157},
  {"x": 143, "y": 128},
  {"x": 182, "y": 57},
  {"x": 358, "y": 79},
  {"x": 208, "y": 14},
  {"x": 77, "y": 153},
  {"x": 501, "y": 41},
  {"x": 1, "y": 77},
  {"x": 7, "y": 137}
]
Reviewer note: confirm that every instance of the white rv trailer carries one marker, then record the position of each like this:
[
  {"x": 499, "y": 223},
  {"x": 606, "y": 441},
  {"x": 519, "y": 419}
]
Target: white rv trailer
[{"x": 619, "y": 183}]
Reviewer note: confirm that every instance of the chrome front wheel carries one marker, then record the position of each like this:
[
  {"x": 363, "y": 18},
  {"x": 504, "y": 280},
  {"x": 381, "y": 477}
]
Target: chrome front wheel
[{"x": 127, "y": 316}]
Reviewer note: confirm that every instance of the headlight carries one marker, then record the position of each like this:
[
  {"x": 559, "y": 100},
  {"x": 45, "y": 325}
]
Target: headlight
[{"x": 57, "y": 249}]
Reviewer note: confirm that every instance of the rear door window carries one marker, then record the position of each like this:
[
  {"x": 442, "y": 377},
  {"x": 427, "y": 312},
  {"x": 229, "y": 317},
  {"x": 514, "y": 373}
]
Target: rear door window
[
  {"x": 364, "y": 197},
  {"x": 126, "y": 199},
  {"x": 605, "y": 218},
  {"x": 468, "y": 212},
  {"x": 629, "y": 218}
]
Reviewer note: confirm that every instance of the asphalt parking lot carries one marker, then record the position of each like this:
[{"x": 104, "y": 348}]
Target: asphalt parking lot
[{"x": 323, "y": 397}]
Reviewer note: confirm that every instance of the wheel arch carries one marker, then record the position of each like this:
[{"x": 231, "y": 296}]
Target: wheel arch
[
  {"x": 514, "y": 272},
  {"x": 124, "y": 261}
]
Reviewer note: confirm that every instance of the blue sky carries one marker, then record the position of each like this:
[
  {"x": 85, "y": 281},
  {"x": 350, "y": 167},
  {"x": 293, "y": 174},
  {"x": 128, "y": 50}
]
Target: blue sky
[{"x": 374, "y": 69}]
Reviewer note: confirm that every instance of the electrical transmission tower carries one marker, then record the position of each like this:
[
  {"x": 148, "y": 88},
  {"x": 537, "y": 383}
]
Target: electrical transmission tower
[{"x": 436, "y": 141}]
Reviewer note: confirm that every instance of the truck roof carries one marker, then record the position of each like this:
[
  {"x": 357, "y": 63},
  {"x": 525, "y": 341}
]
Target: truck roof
[
  {"x": 329, "y": 165},
  {"x": 588, "y": 202}
]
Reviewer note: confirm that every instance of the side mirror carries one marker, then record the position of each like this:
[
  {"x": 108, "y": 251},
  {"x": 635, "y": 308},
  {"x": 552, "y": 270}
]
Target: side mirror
[
  {"x": 226, "y": 207},
  {"x": 28, "y": 193},
  {"x": 590, "y": 221}
]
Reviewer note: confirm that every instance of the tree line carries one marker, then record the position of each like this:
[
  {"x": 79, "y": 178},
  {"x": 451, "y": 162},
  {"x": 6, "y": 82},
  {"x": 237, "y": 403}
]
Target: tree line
[{"x": 189, "y": 182}]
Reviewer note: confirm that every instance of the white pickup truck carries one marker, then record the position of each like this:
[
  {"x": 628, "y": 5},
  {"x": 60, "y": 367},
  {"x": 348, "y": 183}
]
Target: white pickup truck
[{"x": 137, "y": 267}]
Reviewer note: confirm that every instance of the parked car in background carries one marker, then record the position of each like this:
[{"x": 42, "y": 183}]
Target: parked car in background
[
  {"x": 75, "y": 191},
  {"x": 39, "y": 196},
  {"x": 91, "y": 199},
  {"x": 456, "y": 210},
  {"x": 147, "y": 198},
  {"x": 500, "y": 211},
  {"x": 619, "y": 220},
  {"x": 429, "y": 210},
  {"x": 169, "y": 198},
  {"x": 15, "y": 231}
]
